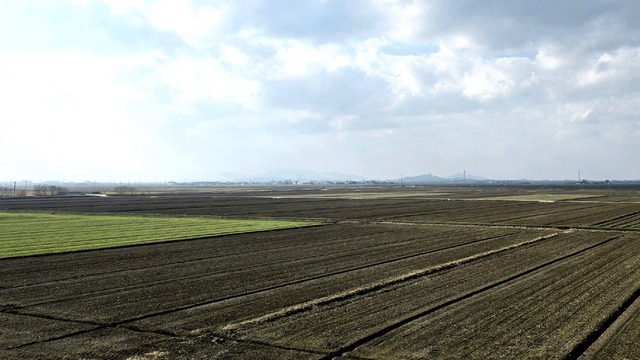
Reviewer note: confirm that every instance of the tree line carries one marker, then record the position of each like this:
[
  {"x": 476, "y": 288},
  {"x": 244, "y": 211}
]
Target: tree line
[
  {"x": 53, "y": 190},
  {"x": 7, "y": 191},
  {"x": 49, "y": 190}
]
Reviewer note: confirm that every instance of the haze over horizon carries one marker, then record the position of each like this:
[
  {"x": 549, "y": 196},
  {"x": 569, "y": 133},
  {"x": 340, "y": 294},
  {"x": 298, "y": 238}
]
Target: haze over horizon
[{"x": 185, "y": 90}]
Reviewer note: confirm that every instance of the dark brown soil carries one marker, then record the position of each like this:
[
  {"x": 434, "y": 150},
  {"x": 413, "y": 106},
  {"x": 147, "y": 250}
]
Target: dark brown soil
[{"x": 395, "y": 273}]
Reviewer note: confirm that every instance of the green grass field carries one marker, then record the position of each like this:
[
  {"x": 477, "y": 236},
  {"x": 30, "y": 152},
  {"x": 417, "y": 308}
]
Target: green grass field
[{"x": 24, "y": 234}]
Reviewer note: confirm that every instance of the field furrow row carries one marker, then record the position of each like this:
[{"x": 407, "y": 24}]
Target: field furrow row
[
  {"x": 548, "y": 312},
  {"x": 235, "y": 281},
  {"x": 325, "y": 329}
]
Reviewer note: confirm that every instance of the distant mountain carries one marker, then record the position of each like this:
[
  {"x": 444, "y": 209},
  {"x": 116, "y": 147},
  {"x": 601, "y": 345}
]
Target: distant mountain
[
  {"x": 426, "y": 179},
  {"x": 297, "y": 176},
  {"x": 422, "y": 179},
  {"x": 460, "y": 176}
]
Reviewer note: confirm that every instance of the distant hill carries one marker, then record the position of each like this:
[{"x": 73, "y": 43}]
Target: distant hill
[
  {"x": 467, "y": 177},
  {"x": 300, "y": 176},
  {"x": 422, "y": 179},
  {"x": 455, "y": 178}
]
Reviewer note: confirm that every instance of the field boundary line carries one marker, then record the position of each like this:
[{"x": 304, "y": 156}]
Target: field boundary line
[
  {"x": 602, "y": 327},
  {"x": 56, "y": 338},
  {"x": 95, "y": 327},
  {"x": 486, "y": 225},
  {"x": 323, "y": 301},
  {"x": 616, "y": 219}
]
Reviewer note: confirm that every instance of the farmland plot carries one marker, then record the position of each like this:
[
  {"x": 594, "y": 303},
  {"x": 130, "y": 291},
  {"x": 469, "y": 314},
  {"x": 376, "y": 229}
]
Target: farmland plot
[
  {"x": 395, "y": 275},
  {"x": 548, "y": 312},
  {"x": 24, "y": 234},
  {"x": 338, "y": 324},
  {"x": 362, "y": 258},
  {"x": 620, "y": 341}
]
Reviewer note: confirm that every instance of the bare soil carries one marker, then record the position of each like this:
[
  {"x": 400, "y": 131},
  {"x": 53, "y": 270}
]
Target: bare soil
[{"x": 396, "y": 272}]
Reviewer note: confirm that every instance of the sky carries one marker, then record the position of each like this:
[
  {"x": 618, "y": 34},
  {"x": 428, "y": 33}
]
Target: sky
[{"x": 138, "y": 90}]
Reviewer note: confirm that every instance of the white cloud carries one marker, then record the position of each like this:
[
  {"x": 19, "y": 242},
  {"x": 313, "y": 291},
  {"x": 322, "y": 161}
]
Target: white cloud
[
  {"x": 500, "y": 78},
  {"x": 202, "y": 80},
  {"x": 401, "y": 73},
  {"x": 197, "y": 24},
  {"x": 385, "y": 86},
  {"x": 343, "y": 121},
  {"x": 407, "y": 19},
  {"x": 617, "y": 67},
  {"x": 548, "y": 58},
  {"x": 295, "y": 58},
  {"x": 70, "y": 111}
]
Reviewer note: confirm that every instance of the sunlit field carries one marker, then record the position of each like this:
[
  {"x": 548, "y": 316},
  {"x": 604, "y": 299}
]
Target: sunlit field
[{"x": 23, "y": 234}]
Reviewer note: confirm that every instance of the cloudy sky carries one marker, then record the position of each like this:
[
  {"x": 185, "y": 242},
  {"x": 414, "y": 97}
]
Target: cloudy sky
[{"x": 186, "y": 90}]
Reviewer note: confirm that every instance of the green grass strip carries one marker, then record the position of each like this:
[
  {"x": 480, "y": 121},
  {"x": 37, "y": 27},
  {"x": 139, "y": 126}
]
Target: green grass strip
[{"x": 25, "y": 234}]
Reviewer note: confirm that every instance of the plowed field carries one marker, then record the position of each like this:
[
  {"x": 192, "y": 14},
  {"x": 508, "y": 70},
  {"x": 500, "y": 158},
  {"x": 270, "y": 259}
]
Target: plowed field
[{"x": 394, "y": 272}]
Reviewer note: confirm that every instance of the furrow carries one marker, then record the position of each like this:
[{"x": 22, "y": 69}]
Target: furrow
[
  {"x": 282, "y": 262},
  {"x": 298, "y": 308},
  {"x": 590, "y": 339},
  {"x": 62, "y": 337},
  {"x": 151, "y": 266},
  {"x": 194, "y": 260},
  {"x": 302, "y": 281},
  {"x": 618, "y": 219},
  {"x": 354, "y": 345}
]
